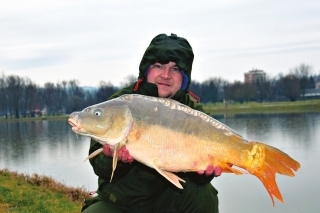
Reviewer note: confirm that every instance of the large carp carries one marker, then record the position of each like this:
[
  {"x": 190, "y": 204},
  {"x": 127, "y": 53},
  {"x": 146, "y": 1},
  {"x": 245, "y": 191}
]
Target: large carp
[{"x": 171, "y": 137}]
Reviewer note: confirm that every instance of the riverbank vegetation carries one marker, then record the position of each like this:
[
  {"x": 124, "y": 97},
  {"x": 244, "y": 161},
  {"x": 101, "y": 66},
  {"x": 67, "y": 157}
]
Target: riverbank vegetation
[
  {"x": 35, "y": 193},
  {"x": 302, "y": 106},
  {"x": 264, "y": 107},
  {"x": 41, "y": 118}
]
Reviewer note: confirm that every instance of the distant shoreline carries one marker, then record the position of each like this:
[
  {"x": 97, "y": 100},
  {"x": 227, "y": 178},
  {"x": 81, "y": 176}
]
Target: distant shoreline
[
  {"x": 42, "y": 118},
  {"x": 306, "y": 106}
]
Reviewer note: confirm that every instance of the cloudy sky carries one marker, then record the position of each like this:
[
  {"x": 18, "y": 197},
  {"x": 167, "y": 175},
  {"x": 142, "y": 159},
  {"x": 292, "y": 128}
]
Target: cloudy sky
[{"x": 51, "y": 41}]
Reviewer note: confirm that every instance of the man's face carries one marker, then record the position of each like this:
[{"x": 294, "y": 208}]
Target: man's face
[{"x": 167, "y": 77}]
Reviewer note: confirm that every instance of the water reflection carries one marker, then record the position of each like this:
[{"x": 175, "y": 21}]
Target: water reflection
[
  {"x": 46, "y": 147},
  {"x": 297, "y": 135},
  {"x": 51, "y": 148},
  {"x": 276, "y": 128}
]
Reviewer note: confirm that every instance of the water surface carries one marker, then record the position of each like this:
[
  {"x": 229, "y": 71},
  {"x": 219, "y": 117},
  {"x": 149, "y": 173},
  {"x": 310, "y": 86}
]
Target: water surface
[{"x": 51, "y": 148}]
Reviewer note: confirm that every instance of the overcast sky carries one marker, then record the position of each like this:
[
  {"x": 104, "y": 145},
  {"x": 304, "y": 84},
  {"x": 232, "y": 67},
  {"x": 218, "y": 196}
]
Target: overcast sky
[{"x": 87, "y": 40}]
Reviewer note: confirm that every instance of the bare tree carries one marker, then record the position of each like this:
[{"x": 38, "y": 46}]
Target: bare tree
[
  {"x": 61, "y": 96},
  {"x": 105, "y": 90},
  {"x": 290, "y": 87},
  {"x": 209, "y": 90},
  {"x": 76, "y": 96},
  {"x": 4, "y": 96},
  {"x": 14, "y": 89},
  {"x": 195, "y": 87},
  {"x": 269, "y": 89},
  {"x": 29, "y": 98},
  {"x": 303, "y": 72},
  {"x": 249, "y": 91},
  {"x": 49, "y": 97},
  {"x": 221, "y": 84},
  {"x": 235, "y": 92},
  {"x": 130, "y": 79}
]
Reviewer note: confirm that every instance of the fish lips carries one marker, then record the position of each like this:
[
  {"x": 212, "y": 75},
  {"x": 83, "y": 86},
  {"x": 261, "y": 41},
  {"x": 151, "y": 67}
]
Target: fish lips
[{"x": 76, "y": 127}]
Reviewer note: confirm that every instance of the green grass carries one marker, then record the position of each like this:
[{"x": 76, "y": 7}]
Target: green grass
[
  {"x": 21, "y": 193},
  {"x": 264, "y": 107}
]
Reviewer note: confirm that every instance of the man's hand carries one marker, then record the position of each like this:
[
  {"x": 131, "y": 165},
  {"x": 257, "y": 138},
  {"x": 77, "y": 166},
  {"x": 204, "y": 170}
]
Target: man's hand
[
  {"x": 211, "y": 170},
  {"x": 123, "y": 154}
]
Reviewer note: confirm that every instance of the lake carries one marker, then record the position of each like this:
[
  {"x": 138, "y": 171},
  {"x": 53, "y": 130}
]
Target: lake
[{"x": 51, "y": 148}]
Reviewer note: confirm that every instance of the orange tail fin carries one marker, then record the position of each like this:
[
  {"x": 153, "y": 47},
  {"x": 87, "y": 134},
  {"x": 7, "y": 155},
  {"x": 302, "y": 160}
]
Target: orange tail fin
[{"x": 275, "y": 161}]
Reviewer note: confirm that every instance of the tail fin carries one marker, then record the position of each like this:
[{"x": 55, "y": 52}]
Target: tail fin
[{"x": 275, "y": 161}]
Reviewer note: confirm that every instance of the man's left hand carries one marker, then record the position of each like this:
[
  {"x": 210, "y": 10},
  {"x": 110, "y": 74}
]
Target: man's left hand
[
  {"x": 123, "y": 154},
  {"x": 211, "y": 170}
]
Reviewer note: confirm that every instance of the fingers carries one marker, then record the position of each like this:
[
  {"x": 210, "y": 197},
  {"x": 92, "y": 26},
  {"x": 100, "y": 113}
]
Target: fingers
[
  {"x": 200, "y": 172},
  {"x": 211, "y": 170},
  {"x": 217, "y": 171},
  {"x": 129, "y": 159},
  {"x": 123, "y": 154},
  {"x": 107, "y": 151}
]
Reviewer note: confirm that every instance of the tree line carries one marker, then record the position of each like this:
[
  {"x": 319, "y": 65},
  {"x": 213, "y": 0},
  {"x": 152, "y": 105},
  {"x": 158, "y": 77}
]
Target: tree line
[
  {"x": 21, "y": 97},
  {"x": 290, "y": 86}
]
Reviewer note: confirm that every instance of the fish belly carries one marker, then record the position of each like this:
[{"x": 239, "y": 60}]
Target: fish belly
[{"x": 173, "y": 151}]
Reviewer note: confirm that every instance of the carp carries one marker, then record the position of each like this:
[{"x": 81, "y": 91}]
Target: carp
[{"x": 171, "y": 137}]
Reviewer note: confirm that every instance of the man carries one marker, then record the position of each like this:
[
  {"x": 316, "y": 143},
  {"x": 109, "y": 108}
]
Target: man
[{"x": 164, "y": 71}]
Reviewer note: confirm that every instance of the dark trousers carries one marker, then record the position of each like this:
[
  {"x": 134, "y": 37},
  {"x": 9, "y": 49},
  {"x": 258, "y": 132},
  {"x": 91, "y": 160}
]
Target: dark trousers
[{"x": 192, "y": 199}]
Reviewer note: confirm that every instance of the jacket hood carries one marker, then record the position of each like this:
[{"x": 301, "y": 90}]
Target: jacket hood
[{"x": 165, "y": 48}]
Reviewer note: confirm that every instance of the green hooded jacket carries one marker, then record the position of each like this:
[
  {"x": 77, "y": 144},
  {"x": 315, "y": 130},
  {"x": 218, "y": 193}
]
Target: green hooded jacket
[{"x": 136, "y": 184}]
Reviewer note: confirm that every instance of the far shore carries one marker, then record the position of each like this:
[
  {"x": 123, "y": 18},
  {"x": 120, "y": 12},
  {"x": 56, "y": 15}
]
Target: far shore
[
  {"x": 42, "y": 118},
  {"x": 305, "y": 106}
]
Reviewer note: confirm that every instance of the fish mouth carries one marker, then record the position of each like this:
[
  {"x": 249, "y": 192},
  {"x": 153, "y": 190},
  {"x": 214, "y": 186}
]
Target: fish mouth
[{"x": 74, "y": 124}]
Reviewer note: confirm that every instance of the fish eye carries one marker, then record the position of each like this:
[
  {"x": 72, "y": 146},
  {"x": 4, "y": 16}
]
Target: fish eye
[{"x": 98, "y": 112}]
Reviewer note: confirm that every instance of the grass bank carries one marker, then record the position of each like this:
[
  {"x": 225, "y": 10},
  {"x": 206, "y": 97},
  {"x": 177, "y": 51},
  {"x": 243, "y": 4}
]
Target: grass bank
[
  {"x": 264, "y": 107},
  {"x": 21, "y": 119},
  {"x": 220, "y": 108},
  {"x": 35, "y": 193}
]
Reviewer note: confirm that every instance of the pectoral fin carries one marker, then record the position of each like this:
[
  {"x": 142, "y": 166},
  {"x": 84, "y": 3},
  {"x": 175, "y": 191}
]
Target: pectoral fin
[
  {"x": 233, "y": 169},
  {"x": 117, "y": 147},
  {"x": 174, "y": 179},
  {"x": 95, "y": 153}
]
